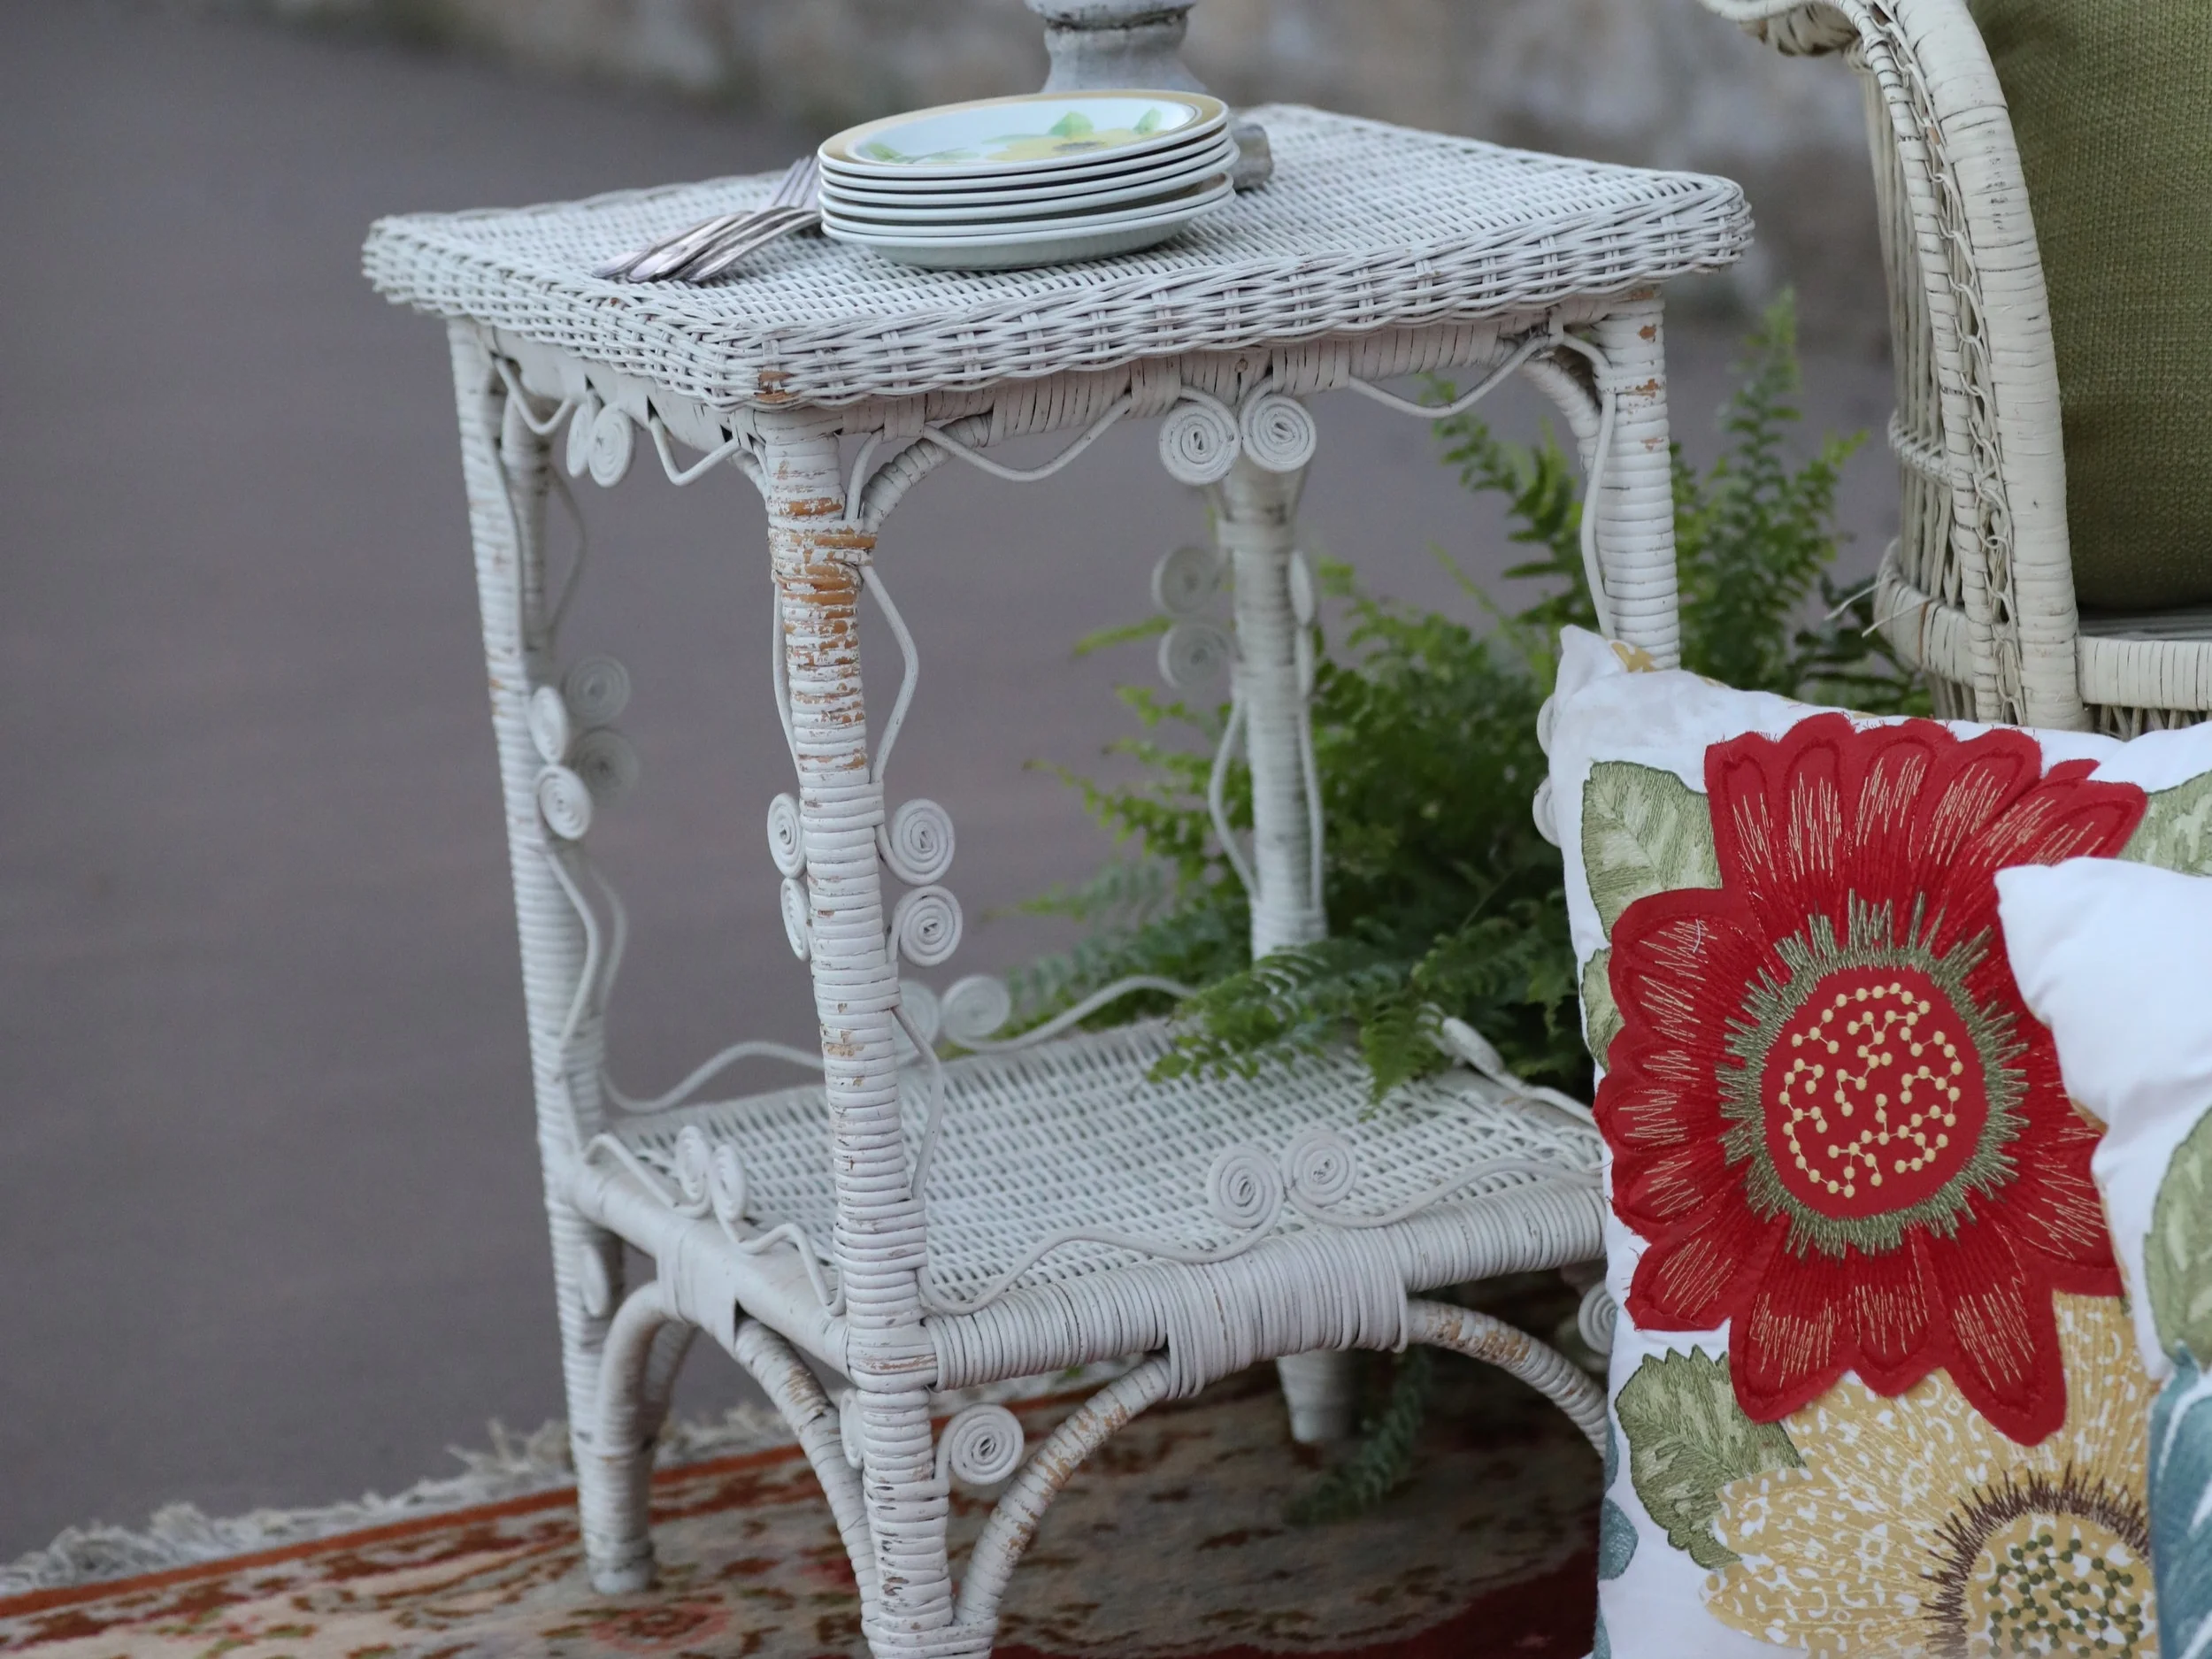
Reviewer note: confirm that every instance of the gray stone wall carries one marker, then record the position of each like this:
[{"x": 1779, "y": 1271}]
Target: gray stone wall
[{"x": 1660, "y": 83}]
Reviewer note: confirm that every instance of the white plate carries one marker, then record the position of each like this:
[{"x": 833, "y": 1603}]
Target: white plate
[
  {"x": 1035, "y": 198},
  {"x": 1010, "y": 253},
  {"x": 1024, "y": 204},
  {"x": 1109, "y": 166},
  {"x": 1007, "y": 250},
  {"x": 1197, "y": 197},
  {"x": 1040, "y": 130}
]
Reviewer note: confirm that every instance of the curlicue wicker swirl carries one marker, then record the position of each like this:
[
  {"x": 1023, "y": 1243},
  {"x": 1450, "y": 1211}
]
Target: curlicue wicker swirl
[{"x": 913, "y": 1223}]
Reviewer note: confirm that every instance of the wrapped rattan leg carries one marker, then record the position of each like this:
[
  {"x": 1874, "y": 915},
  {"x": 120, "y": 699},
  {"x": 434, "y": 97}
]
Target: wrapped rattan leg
[
  {"x": 1013, "y": 1522},
  {"x": 1322, "y": 1390},
  {"x": 791, "y": 1388},
  {"x": 669, "y": 1348},
  {"x": 1543, "y": 1367},
  {"x": 614, "y": 1465},
  {"x": 841, "y": 923},
  {"x": 1635, "y": 499},
  {"x": 1257, "y": 532},
  {"x": 506, "y": 469}
]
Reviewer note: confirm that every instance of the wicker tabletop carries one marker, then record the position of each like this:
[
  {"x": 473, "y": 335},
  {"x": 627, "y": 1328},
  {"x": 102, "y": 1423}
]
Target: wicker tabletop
[{"x": 1365, "y": 226}]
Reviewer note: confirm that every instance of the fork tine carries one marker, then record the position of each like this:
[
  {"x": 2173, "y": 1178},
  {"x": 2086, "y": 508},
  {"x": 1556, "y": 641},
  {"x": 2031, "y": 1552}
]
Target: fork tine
[{"x": 791, "y": 187}]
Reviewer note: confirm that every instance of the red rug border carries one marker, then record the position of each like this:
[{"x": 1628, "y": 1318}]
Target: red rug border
[{"x": 552, "y": 1497}]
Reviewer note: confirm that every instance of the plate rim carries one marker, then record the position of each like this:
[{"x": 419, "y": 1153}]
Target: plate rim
[
  {"x": 835, "y": 150},
  {"x": 1223, "y": 152},
  {"x": 1171, "y": 186},
  {"x": 905, "y": 236},
  {"x": 1027, "y": 177},
  {"x": 942, "y": 258}
]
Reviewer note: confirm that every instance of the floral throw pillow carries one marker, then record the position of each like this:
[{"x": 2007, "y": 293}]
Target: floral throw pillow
[
  {"x": 1874, "y": 1385},
  {"x": 2117, "y": 959}
]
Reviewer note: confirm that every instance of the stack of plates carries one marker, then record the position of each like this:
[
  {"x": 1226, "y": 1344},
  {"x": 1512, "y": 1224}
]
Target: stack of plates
[{"x": 1028, "y": 181}]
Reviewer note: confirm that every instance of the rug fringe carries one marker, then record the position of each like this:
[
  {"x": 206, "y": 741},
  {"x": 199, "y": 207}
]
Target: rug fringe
[{"x": 514, "y": 1466}]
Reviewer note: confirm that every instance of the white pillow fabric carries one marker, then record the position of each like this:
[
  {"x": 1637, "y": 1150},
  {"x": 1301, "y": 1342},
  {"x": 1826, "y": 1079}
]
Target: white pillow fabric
[
  {"x": 2117, "y": 959},
  {"x": 1761, "y": 1499}
]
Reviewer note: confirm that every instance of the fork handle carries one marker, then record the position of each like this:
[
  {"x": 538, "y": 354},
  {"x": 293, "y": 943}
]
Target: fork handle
[
  {"x": 626, "y": 264},
  {"x": 709, "y": 265},
  {"x": 676, "y": 251}
]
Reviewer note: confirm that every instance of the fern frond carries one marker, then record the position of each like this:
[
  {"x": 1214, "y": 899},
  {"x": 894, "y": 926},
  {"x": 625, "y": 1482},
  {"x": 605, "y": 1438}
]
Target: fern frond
[
  {"x": 1122, "y": 633},
  {"x": 1383, "y": 1459},
  {"x": 1441, "y": 898}
]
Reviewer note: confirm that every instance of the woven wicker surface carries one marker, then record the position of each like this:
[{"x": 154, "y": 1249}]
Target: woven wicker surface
[
  {"x": 1323, "y": 249},
  {"x": 1072, "y": 1136}
]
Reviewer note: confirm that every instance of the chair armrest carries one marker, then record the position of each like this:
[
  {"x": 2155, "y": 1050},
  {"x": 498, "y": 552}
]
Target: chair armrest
[
  {"x": 1797, "y": 28},
  {"x": 1980, "y": 315}
]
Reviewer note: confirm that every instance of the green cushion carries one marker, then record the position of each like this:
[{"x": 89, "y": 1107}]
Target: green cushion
[{"x": 2112, "y": 104}]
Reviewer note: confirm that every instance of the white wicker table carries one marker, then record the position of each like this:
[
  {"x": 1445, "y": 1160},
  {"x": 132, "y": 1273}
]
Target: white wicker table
[{"x": 918, "y": 1226}]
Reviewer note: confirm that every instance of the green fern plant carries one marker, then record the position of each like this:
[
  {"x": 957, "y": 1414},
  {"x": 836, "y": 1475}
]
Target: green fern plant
[
  {"x": 1441, "y": 897},
  {"x": 1383, "y": 1459}
]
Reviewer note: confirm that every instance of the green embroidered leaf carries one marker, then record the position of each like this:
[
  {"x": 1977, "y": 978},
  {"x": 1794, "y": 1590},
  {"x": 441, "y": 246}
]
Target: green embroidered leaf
[
  {"x": 1643, "y": 830},
  {"x": 1600, "y": 1016},
  {"x": 1688, "y": 1438},
  {"x": 2176, "y": 833},
  {"x": 2178, "y": 1255}
]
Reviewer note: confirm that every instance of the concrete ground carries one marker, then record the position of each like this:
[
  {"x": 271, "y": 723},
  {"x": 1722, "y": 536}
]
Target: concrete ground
[{"x": 268, "y": 1194}]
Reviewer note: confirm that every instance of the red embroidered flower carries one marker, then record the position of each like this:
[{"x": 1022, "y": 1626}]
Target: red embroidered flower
[{"x": 1831, "y": 1115}]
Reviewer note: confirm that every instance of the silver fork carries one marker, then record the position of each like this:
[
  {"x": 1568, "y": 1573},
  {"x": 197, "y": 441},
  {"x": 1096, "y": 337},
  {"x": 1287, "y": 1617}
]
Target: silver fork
[
  {"x": 718, "y": 242},
  {"x": 711, "y": 261},
  {"x": 645, "y": 264}
]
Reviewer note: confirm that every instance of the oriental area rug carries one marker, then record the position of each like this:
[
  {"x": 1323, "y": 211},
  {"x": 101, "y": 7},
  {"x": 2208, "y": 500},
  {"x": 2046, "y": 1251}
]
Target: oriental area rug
[{"x": 1170, "y": 1543}]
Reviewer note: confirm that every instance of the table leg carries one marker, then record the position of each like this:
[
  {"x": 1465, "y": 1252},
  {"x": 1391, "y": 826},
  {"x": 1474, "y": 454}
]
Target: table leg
[
  {"x": 817, "y": 559},
  {"x": 1635, "y": 509},
  {"x": 1256, "y": 530},
  {"x": 504, "y": 465}
]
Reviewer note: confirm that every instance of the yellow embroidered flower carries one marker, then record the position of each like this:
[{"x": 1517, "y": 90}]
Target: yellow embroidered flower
[{"x": 1916, "y": 1531}]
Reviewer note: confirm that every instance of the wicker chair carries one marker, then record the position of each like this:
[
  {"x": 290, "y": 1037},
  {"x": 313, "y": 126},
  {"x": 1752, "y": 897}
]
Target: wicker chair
[{"x": 1978, "y": 591}]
